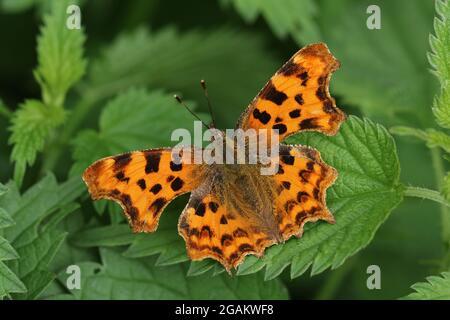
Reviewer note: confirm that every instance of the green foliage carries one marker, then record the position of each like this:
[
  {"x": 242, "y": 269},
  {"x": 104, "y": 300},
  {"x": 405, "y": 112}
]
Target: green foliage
[
  {"x": 439, "y": 59},
  {"x": 60, "y": 56},
  {"x": 34, "y": 236},
  {"x": 9, "y": 282},
  {"x": 13, "y": 6},
  {"x": 436, "y": 288},
  {"x": 174, "y": 61},
  {"x": 432, "y": 137},
  {"x": 121, "y": 278},
  {"x": 125, "y": 103},
  {"x": 166, "y": 243},
  {"x": 294, "y": 17},
  {"x": 32, "y": 124},
  {"x": 60, "y": 65}
]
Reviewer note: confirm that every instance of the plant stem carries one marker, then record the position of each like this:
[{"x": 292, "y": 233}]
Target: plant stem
[
  {"x": 425, "y": 193},
  {"x": 439, "y": 173},
  {"x": 74, "y": 121}
]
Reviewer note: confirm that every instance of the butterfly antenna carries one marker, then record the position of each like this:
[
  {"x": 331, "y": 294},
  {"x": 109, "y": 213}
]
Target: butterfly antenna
[
  {"x": 188, "y": 109},
  {"x": 205, "y": 91}
]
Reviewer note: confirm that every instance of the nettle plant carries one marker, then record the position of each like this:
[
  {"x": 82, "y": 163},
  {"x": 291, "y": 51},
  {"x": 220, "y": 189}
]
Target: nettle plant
[{"x": 52, "y": 225}]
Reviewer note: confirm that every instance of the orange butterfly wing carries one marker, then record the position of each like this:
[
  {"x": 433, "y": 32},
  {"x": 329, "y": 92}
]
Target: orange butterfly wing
[
  {"x": 212, "y": 229},
  {"x": 142, "y": 182},
  {"x": 302, "y": 181},
  {"x": 296, "y": 98}
]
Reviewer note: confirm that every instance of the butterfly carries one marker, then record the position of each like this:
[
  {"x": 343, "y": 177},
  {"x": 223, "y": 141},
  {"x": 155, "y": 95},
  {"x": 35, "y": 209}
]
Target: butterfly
[{"x": 233, "y": 210}]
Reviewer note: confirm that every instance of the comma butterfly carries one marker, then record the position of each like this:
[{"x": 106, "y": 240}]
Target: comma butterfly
[{"x": 233, "y": 210}]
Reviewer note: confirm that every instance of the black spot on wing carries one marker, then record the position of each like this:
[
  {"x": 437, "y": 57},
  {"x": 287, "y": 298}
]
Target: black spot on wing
[
  {"x": 294, "y": 113},
  {"x": 129, "y": 208},
  {"x": 153, "y": 160},
  {"x": 321, "y": 93},
  {"x": 217, "y": 250},
  {"x": 141, "y": 183},
  {"x": 286, "y": 185},
  {"x": 304, "y": 77},
  {"x": 289, "y": 68},
  {"x": 288, "y": 159},
  {"x": 200, "y": 210},
  {"x": 308, "y": 124},
  {"x": 223, "y": 220},
  {"x": 121, "y": 177},
  {"x": 157, "y": 205},
  {"x": 226, "y": 239},
  {"x": 245, "y": 247},
  {"x": 263, "y": 117},
  {"x": 156, "y": 188},
  {"x": 121, "y": 160},
  {"x": 272, "y": 94},
  {"x": 213, "y": 206},
  {"x": 316, "y": 193},
  {"x": 300, "y": 217},
  {"x": 175, "y": 167},
  {"x": 299, "y": 99},
  {"x": 206, "y": 232},
  {"x": 177, "y": 184},
  {"x": 280, "y": 127},
  {"x": 328, "y": 107}
]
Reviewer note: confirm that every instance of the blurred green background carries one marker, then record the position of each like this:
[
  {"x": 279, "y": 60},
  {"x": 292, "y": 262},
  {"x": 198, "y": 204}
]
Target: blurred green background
[{"x": 236, "y": 47}]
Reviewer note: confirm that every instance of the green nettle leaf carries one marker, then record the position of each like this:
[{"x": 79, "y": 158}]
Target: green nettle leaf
[
  {"x": 60, "y": 65},
  {"x": 436, "y": 288},
  {"x": 60, "y": 55},
  {"x": 124, "y": 278},
  {"x": 134, "y": 120},
  {"x": 364, "y": 194},
  {"x": 9, "y": 281},
  {"x": 177, "y": 61},
  {"x": 164, "y": 242},
  {"x": 293, "y": 17},
  {"x": 32, "y": 124},
  {"x": 439, "y": 58},
  {"x": 34, "y": 235}
]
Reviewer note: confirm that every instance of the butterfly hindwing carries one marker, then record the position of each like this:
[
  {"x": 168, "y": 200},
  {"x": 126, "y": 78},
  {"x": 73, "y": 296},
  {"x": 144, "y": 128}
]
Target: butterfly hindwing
[
  {"x": 212, "y": 229},
  {"x": 142, "y": 182},
  {"x": 302, "y": 181},
  {"x": 296, "y": 98}
]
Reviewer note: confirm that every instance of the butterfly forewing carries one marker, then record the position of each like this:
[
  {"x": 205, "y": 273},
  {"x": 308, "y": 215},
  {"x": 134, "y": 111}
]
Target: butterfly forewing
[
  {"x": 142, "y": 182},
  {"x": 296, "y": 98}
]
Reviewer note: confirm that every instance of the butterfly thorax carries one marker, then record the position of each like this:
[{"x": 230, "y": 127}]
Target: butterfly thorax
[{"x": 247, "y": 193}]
